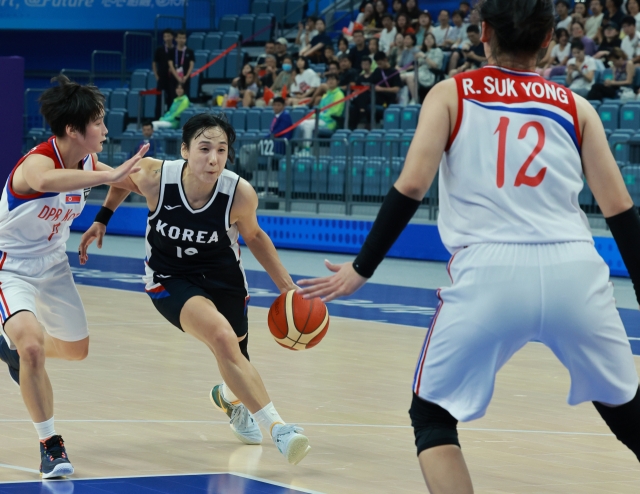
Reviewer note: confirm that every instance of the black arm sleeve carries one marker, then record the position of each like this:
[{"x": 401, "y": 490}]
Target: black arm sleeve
[
  {"x": 394, "y": 215},
  {"x": 625, "y": 228}
]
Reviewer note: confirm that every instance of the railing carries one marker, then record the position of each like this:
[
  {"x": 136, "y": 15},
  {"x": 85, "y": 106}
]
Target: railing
[
  {"x": 112, "y": 68},
  {"x": 329, "y": 13},
  {"x": 77, "y": 75},
  {"x": 32, "y": 118},
  {"x": 200, "y": 15},
  {"x": 137, "y": 50}
]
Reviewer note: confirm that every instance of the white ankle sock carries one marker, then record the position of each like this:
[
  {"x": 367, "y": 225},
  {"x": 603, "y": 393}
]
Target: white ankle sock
[
  {"x": 267, "y": 417},
  {"x": 45, "y": 429},
  {"x": 228, "y": 395}
]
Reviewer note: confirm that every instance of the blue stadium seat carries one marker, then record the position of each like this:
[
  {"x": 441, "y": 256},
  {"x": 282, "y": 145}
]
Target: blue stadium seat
[
  {"x": 212, "y": 41},
  {"x": 636, "y": 79},
  {"x": 391, "y": 144},
  {"x": 253, "y": 120},
  {"x": 201, "y": 58},
  {"x": 338, "y": 146},
  {"x": 139, "y": 79},
  {"x": 559, "y": 79},
  {"x": 619, "y": 144},
  {"x": 195, "y": 41},
  {"x": 259, "y": 6},
  {"x": 194, "y": 87},
  {"x": 631, "y": 176},
  {"x": 336, "y": 176},
  {"x": 278, "y": 9},
  {"x": 233, "y": 64},
  {"x": 356, "y": 142},
  {"x": 229, "y": 38},
  {"x": 265, "y": 119},
  {"x": 609, "y": 115},
  {"x": 118, "y": 99},
  {"x": 298, "y": 113},
  {"x": 106, "y": 92},
  {"x": 216, "y": 71},
  {"x": 634, "y": 148},
  {"x": 238, "y": 119},
  {"x": 371, "y": 177},
  {"x": 228, "y": 23},
  {"x": 320, "y": 175},
  {"x": 396, "y": 168},
  {"x": 151, "y": 80},
  {"x": 595, "y": 103},
  {"x": 186, "y": 115},
  {"x": 115, "y": 123},
  {"x": 263, "y": 21},
  {"x": 302, "y": 167},
  {"x": 357, "y": 173},
  {"x": 132, "y": 103},
  {"x": 405, "y": 142},
  {"x": 293, "y": 12},
  {"x": 630, "y": 117},
  {"x": 245, "y": 25},
  {"x": 392, "y": 118},
  {"x": 409, "y": 118},
  {"x": 373, "y": 144}
]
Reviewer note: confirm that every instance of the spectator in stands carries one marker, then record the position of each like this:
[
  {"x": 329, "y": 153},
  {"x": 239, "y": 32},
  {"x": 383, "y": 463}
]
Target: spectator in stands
[
  {"x": 244, "y": 87},
  {"x": 283, "y": 80},
  {"x": 160, "y": 67},
  {"x": 396, "y": 50},
  {"x": 592, "y": 25},
  {"x": 305, "y": 83},
  {"x": 387, "y": 81},
  {"x": 611, "y": 40},
  {"x": 327, "y": 118},
  {"x": 581, "y": 69},
  {"x": 182, "y": 61},
  {"x": 397, "y": 7},
  {"x": 413, "y": 11},
  {"x": 347, "y": 74},
  {"x": 367, "y": 19},
  {"x": 580, "y": 12},
  {"x": 474, "y": 19},
  {"x": 171, "y": 119},
  {"x": 559, "y": 53},
  {"x": 424, "y": 26},
  {"x": 441, "y": 31},
  {"x": 472, "y": 52},
  {"x": 318, "y": 42},
  {"x": 563, "y": 19},
  {"x": 281, "y": 50},
  {"x": 633, "y": 9},
  {"x": 408, "y": 55},
  {"x": 270, "y": 71},
  {"x": 614, "y": 12},
  {"x": 621, "y": 82},
  {"x": 577, "y": 32},
  {"x": 465, "y": 9},
  {"x": 281, "y": 121},
  {"x": 365, "y": 71},
  {"x": 343, "y": 47},
  {"x": 457, "y": 34},
  {"x": 381, "y": 9},
  {"x": 360, "y": 49},
  {"x": 631, "y": 42},
  {"x": 429, "y": 59},
  {"x": 403, "y": 24},
  {"x": 261, "y": 62},
  {"x": 147, "y": 138},
  {"x": 388, "y": 33},
  {"x": 306, "y": 33}
]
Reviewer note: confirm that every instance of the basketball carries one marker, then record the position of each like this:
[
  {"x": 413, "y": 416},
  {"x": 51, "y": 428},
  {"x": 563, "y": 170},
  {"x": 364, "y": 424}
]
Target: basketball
[{"x": 297, "y": 323}]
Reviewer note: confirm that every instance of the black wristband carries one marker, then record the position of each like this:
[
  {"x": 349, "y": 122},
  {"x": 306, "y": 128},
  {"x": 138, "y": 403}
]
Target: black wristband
[
  {"x": 394, "y": 215},
  {"x": 103, "y": 216},
  {"x": 625, "y": 228}
]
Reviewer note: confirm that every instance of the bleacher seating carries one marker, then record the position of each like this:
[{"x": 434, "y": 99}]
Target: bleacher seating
[
  {"x": 115, "y": 123},
  {"x": 118, "y": 99},
  {"x": 245, "y": 25},
  {"x": 195, "y": 41},
  {"x": 260, "y": 7},
  {"x": 609, "y": 115},
  {"x": 230, "y": 38},
  {"x": 261, "y": 23},
  {"x": 278, "y": 9},
  {"x": 217, "y": 70},
  {"x": 409, "y": 117},
  {"x": 228, "y": 23},
  {"x": 293, "y": 12},
  {"x": 139, "y": 79},
  {"x": 212, "y": 41},
  {"x": 631, "y": 176}
]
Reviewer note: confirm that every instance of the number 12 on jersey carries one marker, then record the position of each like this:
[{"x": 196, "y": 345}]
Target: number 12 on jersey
[{"x": 521, "y": 178}]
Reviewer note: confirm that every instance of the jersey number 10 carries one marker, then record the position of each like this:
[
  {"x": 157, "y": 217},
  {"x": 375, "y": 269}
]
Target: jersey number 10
[{"x": 522, "y": 178}]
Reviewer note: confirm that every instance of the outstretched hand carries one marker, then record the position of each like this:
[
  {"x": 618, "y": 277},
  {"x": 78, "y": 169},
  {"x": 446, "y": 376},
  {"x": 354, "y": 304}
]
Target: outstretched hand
[
  {"x": 345, "y": 281},
  {"x": 128, "y": 167},
  {"x": 95, "y": 232}
]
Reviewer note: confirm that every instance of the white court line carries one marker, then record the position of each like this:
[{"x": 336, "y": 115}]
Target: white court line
[
  {"x": 22, "y": 469},
  {"x": 319, "y": 424},
  {"x": 91, "y": 479}
]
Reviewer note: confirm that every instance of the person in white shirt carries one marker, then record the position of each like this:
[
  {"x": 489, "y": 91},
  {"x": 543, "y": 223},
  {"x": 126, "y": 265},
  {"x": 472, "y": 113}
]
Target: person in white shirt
[
  {"x": 457, "y": 35},
  {"x": 306, "y": 33},
  {"x": 633, "y": 9},
  {"x": 442, "y": 30},
  {"x": 631, "y": 42},
  {"x": 581, "y": 69},
  {"x": 594, "y": 22},
  {"x": 388, "y": 34},
  {"x": 305, "y": 83},
  {"x": 564, "y": 19}
]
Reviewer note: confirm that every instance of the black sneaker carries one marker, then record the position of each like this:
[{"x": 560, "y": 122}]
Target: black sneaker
[
  {"x": 11, "y": 358},
  {"x": 54, "y": 460}
]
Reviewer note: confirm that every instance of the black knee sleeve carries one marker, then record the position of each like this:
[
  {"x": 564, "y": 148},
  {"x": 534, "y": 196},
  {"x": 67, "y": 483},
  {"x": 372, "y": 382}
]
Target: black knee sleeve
[
  {"x": 624, "y": 422},
  {"x": 432, "y": 425},
  {"x": 243, "y": 346}
]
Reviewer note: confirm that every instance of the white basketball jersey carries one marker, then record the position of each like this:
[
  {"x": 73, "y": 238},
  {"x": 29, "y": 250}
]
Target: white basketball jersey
[
  {"x": 37, "y": 224},
  {"x": 512, "y": 170}
]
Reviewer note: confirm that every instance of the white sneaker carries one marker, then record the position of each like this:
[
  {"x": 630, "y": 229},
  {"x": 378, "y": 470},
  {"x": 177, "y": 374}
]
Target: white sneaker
[
  {"x": 290, "y": 443},
  {"x": 242, "y": 423}
]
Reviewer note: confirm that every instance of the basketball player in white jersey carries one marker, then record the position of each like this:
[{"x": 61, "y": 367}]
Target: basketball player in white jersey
[
  {"x": 40, "y": 309},
  {"x": 194, "y": 273},
  {"x": 523, "y": 264}
]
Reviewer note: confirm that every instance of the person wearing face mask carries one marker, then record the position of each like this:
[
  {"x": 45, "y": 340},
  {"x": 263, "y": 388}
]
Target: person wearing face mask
[{"x": 281, "y": 84}]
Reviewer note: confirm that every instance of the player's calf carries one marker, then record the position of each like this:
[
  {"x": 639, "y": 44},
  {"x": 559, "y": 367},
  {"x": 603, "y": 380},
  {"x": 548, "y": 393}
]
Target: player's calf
[{"x": 624, "y": 422}]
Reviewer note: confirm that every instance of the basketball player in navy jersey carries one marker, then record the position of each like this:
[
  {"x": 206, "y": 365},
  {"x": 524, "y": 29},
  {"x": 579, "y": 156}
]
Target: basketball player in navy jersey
[
  {"x": 523, "y": 263},
  {"x": 194, "y": 274},
  {"x": 40, "y": 309}
]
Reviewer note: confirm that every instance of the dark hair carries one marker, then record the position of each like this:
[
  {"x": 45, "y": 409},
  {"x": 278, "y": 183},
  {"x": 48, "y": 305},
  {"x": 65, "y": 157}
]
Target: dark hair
[
  {"x": 357, "y": 31},
  {"x": 577, "y": 43},
  {"x": 333, "y": 76},
  {"x": 278, "y": 99},
  {"x": 520, "y": 26},
  {"x": 181, "y": 31},
  {"x": 628, "y": 20},
  {"x": 617, "y": 3},
  {"x": 380, "y": 56},
  {"x": 601, "y": 2},
  {"x": 306, "y": 62},
  {"x": 343, "y": 57},
  {"x": 443, "y": 10},
  {"x": 456, "y": 13},
  {"x": 312, "y": 18},
  {"x": 377, "y": 42},
  {"x": 198, "y": 124},
  {"x": 147, "y": 123},
  {"x": 464, "y": 2},
  {"x": 330, "y": 47},
  {"x": 168, "y": 31},
  {"x": 365, "y": 59},
  {"x": 70, "y": 104},
  {"x": 321, "y": 19},
  {"x": 387, "y": 15},
  {"x": 563, "y": 2},
  {"x": 413, "y": 37},
  {"x": 270, "y": 41},
  {"x": 333, "y": 62},
  {"x": 560, "y": 31},
  {"x": 424, "y": 42},
  {"x": 473, "y": 29}
]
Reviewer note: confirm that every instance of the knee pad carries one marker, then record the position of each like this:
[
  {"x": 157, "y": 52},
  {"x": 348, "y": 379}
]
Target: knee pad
[
  {"x": 243, "y": 346},
  {"x": 432, "y": 425},
  {"x": 624, "y": 422}
]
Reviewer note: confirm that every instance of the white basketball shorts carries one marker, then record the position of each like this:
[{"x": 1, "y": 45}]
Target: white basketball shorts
[
  {"x": 44, "y": 286},
  {"x": 505, "y": 295}
]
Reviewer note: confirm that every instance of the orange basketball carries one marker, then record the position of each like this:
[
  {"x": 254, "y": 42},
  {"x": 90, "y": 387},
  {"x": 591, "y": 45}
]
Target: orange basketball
[{"x": 297, "y": 323}]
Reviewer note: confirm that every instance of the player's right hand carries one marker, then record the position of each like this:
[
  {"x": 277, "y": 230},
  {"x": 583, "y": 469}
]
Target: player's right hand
[
  {"x": 128, "y": 167},
  {"x": 345, "y": 281},
  {"x": 95, "y": 232}
]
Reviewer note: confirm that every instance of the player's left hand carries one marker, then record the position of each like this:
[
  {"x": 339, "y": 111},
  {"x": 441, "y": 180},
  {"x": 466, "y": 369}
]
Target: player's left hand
[
  {"x": 345, "y": 281},
  {"x": 95, "y": 232}
]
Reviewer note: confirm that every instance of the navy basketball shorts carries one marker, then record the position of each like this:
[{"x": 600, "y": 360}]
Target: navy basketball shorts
[{"x": 170, "y": 296}]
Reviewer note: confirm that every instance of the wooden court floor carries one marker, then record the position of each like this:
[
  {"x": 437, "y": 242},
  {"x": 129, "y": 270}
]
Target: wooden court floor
[{"x": 139, "y": 406}]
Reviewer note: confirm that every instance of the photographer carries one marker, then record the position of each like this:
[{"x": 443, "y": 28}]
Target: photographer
[{"x": 471, "y": 55}]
